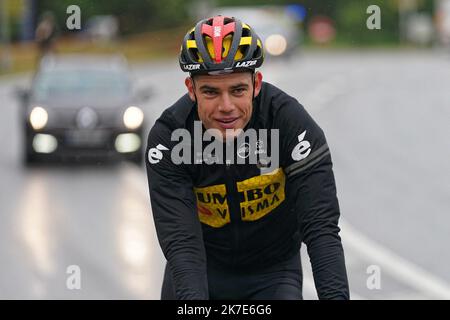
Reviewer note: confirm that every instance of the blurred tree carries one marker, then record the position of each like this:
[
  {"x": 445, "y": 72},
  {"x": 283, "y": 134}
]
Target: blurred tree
[
  {"x": 142, "y": 15},
  {"x": 134, "y": 15},
  {"x": 13, "y": 10},
  {"x": 326, "y": 7},
  {"x": 351, "y": 20}
]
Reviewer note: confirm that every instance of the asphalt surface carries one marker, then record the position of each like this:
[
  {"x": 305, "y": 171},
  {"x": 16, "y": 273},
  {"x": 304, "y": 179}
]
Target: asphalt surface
[{"x": 386, "y": 116}]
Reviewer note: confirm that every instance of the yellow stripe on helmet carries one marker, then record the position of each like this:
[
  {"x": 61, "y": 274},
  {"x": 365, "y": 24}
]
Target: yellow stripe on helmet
[
  {"x": 245, "y": 41},
  {"x": 191, "y": 44}
]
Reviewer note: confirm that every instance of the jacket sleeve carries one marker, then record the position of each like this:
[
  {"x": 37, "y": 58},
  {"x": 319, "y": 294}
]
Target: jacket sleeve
[
  {"x": 175, "y": 216},
  {"x": 308, "y": 167}
]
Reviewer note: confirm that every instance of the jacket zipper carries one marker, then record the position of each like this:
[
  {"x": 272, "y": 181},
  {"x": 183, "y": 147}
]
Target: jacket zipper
[{"x": 233, "y": 203}]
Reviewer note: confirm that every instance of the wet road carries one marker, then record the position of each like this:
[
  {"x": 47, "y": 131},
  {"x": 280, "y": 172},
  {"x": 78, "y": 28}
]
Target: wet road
[{"x": 386, "y": 116}]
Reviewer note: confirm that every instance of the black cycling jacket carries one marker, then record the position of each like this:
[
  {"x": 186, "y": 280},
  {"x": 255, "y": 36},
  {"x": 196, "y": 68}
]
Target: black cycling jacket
[{"x": 239, "y": 216}]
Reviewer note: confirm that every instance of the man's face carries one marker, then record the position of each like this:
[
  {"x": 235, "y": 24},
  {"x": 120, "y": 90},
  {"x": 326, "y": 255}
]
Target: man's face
[{"x": 224, "y": 101}]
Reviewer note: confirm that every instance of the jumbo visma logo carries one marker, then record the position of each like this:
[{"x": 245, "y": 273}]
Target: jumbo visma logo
[
  {"x": 212, "y": 205},
  {"x": 258, "y": 197},
  {"x": 261, "y": 194}
]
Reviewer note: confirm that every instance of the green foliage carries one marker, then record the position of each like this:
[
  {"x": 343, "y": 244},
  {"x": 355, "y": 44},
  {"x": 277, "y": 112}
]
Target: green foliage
[
  {"x": 351, "y": 20},
  {"x": 134, "y": 15},
  {"x": 142, "y": 15},
  {"x": 349, "y": 17}
]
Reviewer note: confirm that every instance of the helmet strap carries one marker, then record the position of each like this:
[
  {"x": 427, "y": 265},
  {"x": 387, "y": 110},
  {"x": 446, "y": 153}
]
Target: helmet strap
[{"x": 254, "y": 79}]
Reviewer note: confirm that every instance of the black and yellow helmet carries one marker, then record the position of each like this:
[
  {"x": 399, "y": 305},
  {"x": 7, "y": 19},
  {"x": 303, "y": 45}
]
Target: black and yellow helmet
[{"x": 220, "y": 45}]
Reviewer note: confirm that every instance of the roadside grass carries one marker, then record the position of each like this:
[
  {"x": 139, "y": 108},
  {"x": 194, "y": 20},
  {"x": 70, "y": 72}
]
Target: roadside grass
[{"x": 24, "y": 57}]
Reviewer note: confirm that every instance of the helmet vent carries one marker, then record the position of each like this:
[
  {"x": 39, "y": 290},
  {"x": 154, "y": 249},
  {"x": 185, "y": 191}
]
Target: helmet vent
[{"x": 245, "y": 32}]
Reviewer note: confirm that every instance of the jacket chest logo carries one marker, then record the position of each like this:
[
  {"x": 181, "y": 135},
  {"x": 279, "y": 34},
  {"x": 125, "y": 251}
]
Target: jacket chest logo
[{"x": 258, "y": 196}]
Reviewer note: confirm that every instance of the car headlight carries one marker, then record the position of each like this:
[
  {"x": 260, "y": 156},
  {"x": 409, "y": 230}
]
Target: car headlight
[
  {"x": 127, "y": 142},
  {"x": 44, "y": 143},
  {"x": 38, "y": 118},
  {"x": 276, "y": 44},
  {"x": 133, "y": 117}
]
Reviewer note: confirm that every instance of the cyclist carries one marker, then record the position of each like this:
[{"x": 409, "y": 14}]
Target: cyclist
[{"x": 233, "y": 230}]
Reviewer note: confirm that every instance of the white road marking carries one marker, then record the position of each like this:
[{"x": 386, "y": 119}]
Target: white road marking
[{"x": 398, "y": 267}]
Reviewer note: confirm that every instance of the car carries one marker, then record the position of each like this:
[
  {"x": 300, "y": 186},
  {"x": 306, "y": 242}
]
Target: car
[
  {"x": 82, "y": 108},
  {"x": 278, "y": 30}
]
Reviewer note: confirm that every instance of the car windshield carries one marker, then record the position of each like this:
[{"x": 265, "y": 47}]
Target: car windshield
[{"x": 80, "y": 83}]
